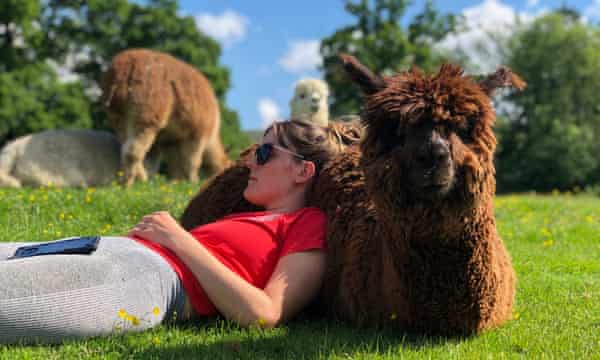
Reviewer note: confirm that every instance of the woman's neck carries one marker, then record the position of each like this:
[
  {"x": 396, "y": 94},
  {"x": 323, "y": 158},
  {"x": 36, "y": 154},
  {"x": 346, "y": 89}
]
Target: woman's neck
[{"x": 292, "y": 202}]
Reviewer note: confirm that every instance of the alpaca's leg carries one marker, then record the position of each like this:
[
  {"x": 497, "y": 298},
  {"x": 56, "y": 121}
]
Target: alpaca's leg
[
  {"x": 189, "y": 159},
  {"x": 133, "y": 151}
]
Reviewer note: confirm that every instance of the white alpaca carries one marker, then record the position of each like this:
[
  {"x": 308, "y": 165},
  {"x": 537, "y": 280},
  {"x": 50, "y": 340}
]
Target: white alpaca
[
  {"x": 310, "y": 101},
  {"x": 63, "y": 158}
]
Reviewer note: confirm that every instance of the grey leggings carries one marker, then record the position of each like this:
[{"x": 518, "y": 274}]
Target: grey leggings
[{"x": 122, "y": 286}]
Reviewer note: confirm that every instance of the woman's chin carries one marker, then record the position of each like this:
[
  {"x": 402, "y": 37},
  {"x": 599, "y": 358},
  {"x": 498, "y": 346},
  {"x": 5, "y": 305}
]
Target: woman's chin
[{"x": 248, "y": 196}]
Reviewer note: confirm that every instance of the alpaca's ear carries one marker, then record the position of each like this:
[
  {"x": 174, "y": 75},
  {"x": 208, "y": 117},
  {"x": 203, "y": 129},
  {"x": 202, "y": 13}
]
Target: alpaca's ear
[
  {"x": 503, "y": 77},
  {"x": 369, "y": 82}
]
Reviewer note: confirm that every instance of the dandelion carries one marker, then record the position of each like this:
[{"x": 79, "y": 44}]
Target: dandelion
[
  {"x": 156, "y": 340},
  {"x": 516, "y": 316},
  {"x": 261, "y": 322},
  {"x": 545, "y": 231},
  {"x": 91, "y": 190},
  {"x": 394, "y": 316},
  {"x": 61, "y": 216},
  {"x": 589, "y": 219},
  {"x": 122, "y": 314},
  {"x": 88, "y": 199},
  {"x": 120, "y": 174},
  {"x": 190, "y": 192},
  {"x": 548, "y": 242},
  {"x": 156, "y": 311},
  {"x": 32, "y": 198},
  {"x": 69, "y": 196},
  {"x": 135, "y": 321}
]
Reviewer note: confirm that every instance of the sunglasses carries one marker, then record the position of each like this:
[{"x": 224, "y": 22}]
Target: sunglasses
[{"x": 264, "y": 151}]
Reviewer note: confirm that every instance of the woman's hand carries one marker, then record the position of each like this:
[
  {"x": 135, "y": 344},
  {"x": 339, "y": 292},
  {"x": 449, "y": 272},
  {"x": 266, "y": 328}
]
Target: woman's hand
[{"x": 160, "y": 227}]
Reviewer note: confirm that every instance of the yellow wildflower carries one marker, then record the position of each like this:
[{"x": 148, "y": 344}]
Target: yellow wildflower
[
  {"x": 190, "y": 192},
  {"x": 122, "y": 314},
  {"x": 88, "y": 199},
  {"x": 156, "y": 340},
  {"x": 32, "y": 198},
  {"x": 61, "y": 216},
  {"x": 135, "y": 321},
  {"x": 589, "y": 219},
  {"x": 549, "y": 242},
  {"x": 261, "y": 322},
  {"x": 394, "y": 316},
  {"x": 156, "y": 311},
  {"x": 516, "y": 316}
]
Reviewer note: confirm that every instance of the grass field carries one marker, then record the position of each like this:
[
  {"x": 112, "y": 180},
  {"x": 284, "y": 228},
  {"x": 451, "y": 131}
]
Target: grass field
[{"x": 554, "y": 241}]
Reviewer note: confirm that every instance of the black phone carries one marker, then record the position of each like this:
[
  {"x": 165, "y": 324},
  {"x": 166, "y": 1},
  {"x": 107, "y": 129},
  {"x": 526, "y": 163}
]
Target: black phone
[{"x": 78, "y": 245}]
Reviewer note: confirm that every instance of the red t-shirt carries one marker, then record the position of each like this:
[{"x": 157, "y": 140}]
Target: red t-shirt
[{"x": 249, "y": 244}]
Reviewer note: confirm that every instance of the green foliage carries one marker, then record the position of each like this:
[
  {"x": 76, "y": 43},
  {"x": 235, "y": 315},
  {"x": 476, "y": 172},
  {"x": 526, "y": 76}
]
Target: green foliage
[
  {"x": 553, "y": 240},
  {"x": 552, "y": 141},
  {"x": 18, "y": 34},
  {"x": 379, "y": 41},
  {"x": 32, "y": 99}
]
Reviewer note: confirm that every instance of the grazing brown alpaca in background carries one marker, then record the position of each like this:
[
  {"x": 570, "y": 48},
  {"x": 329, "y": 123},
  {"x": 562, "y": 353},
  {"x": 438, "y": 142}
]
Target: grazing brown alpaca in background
[
  {"x": 412, "y": 240},
  {"x": 151, "y": 98}
]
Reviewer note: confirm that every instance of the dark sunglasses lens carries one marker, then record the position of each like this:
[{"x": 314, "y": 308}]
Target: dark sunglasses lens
[{"x": 263, "y": 153}]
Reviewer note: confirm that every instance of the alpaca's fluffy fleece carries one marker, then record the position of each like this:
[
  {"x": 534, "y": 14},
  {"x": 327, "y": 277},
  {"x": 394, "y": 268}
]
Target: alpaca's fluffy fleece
[
  {"x": 63, "y": 158},
  {"x": 310, "y": 101},
  {"x": 412, "y": 240},
  {"x": 154, "y": 100}
]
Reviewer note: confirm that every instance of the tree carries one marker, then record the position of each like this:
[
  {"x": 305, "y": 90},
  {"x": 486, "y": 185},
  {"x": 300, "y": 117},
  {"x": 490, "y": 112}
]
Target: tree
[
  {"x": 551, "y": 141},
  {"x": 18, "y": 33},
  {"x": 379, "y": 40},
  {"x": 32, "y": 99}
]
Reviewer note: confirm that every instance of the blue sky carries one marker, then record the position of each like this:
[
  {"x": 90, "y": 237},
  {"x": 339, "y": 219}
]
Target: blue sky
[{"x": 270, "y": 44}]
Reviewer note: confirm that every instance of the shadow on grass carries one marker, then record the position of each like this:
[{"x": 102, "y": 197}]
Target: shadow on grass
[{"x": 302, "y": 339}]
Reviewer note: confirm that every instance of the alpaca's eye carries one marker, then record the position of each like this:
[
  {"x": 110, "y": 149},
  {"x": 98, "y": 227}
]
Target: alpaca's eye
[
  {"x": 464, "y": 132},
  {"x": 302, "y": 95}
]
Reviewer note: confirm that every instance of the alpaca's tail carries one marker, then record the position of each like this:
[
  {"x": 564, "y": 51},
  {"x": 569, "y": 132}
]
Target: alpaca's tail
[
  {"x": 7, "y": 162},
  {"x": 215, "y": 157}
]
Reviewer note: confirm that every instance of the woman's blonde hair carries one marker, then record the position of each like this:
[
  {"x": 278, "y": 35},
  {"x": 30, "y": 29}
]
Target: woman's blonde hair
[{"x": 314, "y": 142}]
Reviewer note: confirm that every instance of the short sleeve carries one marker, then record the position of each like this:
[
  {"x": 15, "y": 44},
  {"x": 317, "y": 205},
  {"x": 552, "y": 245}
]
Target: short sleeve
[{"x": 306, "y": 232}]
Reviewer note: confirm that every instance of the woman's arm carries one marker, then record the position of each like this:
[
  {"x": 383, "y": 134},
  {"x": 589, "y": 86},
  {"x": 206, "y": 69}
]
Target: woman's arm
[{"x": 295, "y": 280}]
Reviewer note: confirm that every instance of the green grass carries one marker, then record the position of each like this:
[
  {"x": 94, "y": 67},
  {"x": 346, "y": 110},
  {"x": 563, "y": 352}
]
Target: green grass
[{"x": 554, "y": 242}]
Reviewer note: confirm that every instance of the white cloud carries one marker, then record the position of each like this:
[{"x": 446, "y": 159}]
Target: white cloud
[
  {"x": 302, "y": 56},
  {"x": 227, "y": 28},
  {"x": 487, "y": 26},
  {"x": 592, "y": 10},
  {"x": 268, "y": 110}
]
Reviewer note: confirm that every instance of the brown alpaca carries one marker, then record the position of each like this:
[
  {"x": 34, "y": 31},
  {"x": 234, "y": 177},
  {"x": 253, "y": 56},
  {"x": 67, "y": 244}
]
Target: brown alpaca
[
  {"x": 412, "y": 240},
  {"x": 153, "y": 99}
]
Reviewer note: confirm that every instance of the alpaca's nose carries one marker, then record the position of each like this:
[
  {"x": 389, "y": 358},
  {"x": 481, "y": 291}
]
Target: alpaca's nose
[
  {"x": 439, "y": 152},
  {"x": 433, "y": 152}
]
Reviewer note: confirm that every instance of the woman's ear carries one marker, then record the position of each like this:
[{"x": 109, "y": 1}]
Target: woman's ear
[{"x": 306, "y": 172}]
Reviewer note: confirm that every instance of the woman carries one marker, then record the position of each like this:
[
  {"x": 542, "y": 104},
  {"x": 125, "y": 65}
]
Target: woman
[{"x": 253, "y": 268}]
